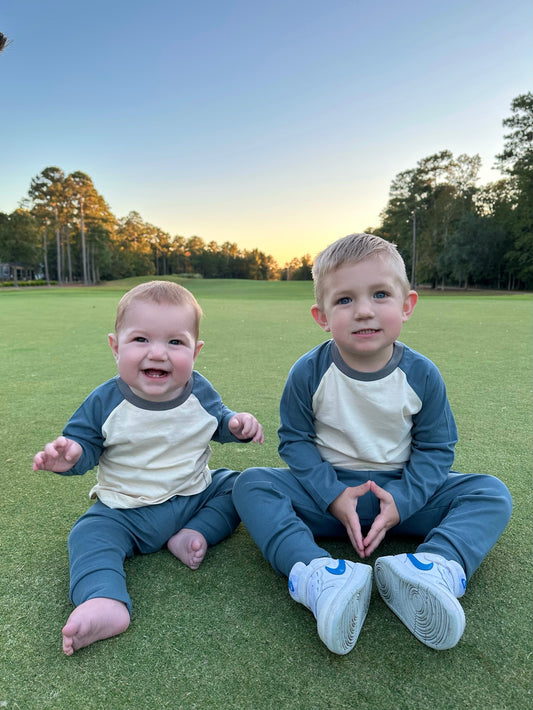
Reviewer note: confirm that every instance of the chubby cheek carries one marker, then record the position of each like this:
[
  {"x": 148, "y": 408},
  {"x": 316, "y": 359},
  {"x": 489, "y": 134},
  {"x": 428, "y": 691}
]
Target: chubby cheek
[
  {"x": 189, "y": 365},
  {"x": 122, "y": 368},
  {"x": 183, "y": 364},
  {"x": 125, "y": 366}
]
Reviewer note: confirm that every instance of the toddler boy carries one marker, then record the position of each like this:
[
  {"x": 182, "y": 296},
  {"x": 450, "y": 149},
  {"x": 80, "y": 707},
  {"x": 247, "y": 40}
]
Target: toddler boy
[{"x": 368, "y": 435}]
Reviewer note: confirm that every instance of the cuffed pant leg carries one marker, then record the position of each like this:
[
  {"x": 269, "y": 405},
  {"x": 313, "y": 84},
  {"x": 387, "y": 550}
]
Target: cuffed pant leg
[
  {"x": 98, "y": 545},
  {"x": 463, "y": 520},
  {"x": 281, "y": 517}
]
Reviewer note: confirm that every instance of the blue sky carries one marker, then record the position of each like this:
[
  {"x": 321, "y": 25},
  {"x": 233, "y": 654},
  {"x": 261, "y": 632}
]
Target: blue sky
[{"x": 274, "y": 124}]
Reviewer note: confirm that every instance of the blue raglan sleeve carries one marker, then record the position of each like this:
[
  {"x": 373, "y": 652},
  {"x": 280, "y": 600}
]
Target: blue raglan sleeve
[
  {"x": 434, "y": 435},
  {"x": 297, "y": 431},
  {"x": 212, "y": 403},
  {"x": 85, "y": 426}
]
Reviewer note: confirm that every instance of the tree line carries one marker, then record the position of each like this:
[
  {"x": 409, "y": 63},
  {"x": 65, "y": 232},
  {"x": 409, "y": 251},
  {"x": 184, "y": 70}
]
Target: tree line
[
  {"x": 66, "y": 232},
  {"x": 449, "y": 230}
]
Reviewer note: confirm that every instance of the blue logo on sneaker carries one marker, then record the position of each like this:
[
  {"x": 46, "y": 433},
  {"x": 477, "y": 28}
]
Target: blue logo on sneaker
[
  {"x": 339, "y": 569},
  {"x": 418, "y": 564}
]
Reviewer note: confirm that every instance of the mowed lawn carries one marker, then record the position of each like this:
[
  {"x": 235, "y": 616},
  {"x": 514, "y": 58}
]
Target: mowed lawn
[{"x": 228, "y": 635}]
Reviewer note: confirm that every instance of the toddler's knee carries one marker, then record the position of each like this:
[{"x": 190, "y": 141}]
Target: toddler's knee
[
  {"x": 249, "y": 478},
  {"x": 507, "y": 501},
  {"x": 249, "y": 475},
  {"x": 502, "y": 495}
]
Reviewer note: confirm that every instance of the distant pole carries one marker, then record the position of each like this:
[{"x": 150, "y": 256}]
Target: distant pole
[
  {"x": 414, "y": 251},
  {"x": 58, "y": 247},
  {"x": 83, "y": 247}
]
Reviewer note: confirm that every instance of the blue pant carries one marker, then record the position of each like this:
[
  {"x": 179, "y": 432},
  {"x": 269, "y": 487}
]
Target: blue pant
[
  {"x": 461, "y": 522},
  {"x": 101, "y": 539}
]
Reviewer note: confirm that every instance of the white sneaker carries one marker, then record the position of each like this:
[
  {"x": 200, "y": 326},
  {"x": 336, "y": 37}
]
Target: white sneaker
[
  {"x": 338, "y": 594},
  {"x": 422, "y": 591}
]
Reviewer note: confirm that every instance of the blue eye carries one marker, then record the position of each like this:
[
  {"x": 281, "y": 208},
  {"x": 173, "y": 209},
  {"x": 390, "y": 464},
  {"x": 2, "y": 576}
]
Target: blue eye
[
  {"x": 175, "y": 341},
  {"x": 380, "y": 294},
  {"x": 344, "y": 300},
  {"x": 140, "y": 339}
]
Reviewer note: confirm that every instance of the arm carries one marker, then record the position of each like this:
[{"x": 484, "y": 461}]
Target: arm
[
  {"x": 298, "y": 449},
  {"x": 83, "y": 431},
  {"x": 434, "y": 436},
  {"x": 231, "y": 426},
  {"x": 85, "y": 428},
  {"x": 297, "y": 432}
]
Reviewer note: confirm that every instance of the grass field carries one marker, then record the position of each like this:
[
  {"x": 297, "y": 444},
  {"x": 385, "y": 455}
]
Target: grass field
[{"x": 228, "y": 635}]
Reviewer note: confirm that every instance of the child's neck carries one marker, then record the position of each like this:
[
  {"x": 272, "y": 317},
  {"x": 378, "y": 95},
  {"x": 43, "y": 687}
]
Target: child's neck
[{"x": 372, "y": 363}]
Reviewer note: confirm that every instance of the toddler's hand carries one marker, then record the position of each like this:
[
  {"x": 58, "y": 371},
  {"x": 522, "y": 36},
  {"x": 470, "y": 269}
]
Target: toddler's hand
[
  {"x": 245, "y": 426},
  {"x": 344, "y": 509},
  {"x": 58, "y": 456},
  {"x": 386, "y": 519}
]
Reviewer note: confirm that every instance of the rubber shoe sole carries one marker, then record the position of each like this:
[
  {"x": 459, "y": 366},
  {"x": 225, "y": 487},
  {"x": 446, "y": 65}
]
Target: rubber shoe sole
[
  {"x": 431, "y": 613},
  {"x": 341, "y": 617}
]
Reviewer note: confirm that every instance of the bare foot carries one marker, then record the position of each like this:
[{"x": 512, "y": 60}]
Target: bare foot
[
  {"x": 94, "y": 620},
  {"x": 189, "y": 546}
]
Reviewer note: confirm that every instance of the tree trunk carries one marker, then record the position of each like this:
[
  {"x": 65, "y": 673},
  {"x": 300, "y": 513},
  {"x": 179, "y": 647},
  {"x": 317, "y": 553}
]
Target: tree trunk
[
  {"x": 45, "y": 255},
  {"x": 69, "y": 257},
  {"x": 58, "y": 248},
  {"x": 83, "y": 249}
]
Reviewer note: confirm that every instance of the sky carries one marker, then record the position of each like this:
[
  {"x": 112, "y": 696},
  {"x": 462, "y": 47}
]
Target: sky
[{"x": 275, "y": 124}]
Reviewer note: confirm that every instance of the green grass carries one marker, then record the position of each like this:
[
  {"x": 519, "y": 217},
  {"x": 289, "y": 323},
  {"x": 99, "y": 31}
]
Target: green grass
[{"x": 228, "y": 635}]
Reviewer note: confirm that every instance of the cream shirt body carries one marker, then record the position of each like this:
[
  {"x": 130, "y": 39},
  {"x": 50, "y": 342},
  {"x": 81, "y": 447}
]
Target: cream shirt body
[{"x": 148, "y": 452}]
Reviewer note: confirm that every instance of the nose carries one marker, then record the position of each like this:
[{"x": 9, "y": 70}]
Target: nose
[
  {"x": 364, "y": 309},
  {"x": 157, "y": 351}
]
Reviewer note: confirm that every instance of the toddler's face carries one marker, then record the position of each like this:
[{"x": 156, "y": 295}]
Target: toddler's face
[
  {"x": 364, "y": 309},
  {"x": 155, "y": 349}
]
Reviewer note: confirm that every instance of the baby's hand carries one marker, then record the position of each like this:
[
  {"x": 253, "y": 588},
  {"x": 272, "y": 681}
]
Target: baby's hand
[
  {"x": 58, "y": 456},
  {"x": 245, "y": 426}
]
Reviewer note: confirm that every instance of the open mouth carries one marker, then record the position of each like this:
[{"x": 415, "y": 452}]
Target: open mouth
[
  {"x": 366, "y": 331},
  {"x": 155, "y": 374}
]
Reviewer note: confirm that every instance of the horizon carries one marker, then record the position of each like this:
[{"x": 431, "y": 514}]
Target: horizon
[{"x": 278, "y": 127}]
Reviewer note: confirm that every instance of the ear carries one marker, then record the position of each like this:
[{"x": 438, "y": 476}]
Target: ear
[
  {"x": 409, "y": 305},
  {"x": 320, "y": 317},
  {"x": 113, "y": 343},
  {"x": 198, "y": 347}
]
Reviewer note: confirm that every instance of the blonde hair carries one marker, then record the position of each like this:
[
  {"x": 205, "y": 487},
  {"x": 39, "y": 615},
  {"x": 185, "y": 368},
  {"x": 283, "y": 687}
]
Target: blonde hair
[
  {"x": 166, "y": 292},
  {"x": 351, "y": 250}
]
